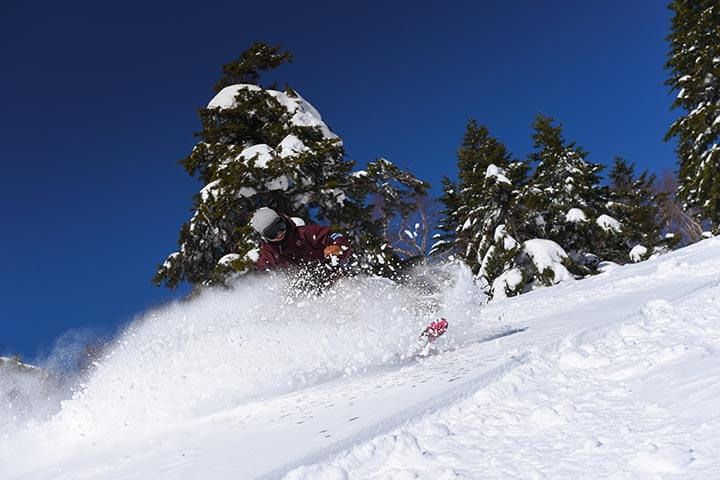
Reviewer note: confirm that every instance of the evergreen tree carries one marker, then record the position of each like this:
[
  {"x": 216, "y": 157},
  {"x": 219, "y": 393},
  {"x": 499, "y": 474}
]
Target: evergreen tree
[
  {"x": 484, "y": 212},
  {"x": 500, "y": 258},
  {"x": 264, "y": 147},
  {"x": 444, "y": 242},
  {"x": 635, "y": 204},
  {"x": 694, "y": 65},
  {"x": 513, "y": 231},
  {"x": 477, "y": 152},
  {"x": 564, "y": 192},
  {"x": 496, "y": 220},
  {"x": 246, "y": 69}
]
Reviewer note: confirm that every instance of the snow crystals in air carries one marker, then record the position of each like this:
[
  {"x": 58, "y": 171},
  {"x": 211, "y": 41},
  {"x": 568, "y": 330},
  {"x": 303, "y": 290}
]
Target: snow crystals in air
[
  {"x": 634, "y": 398},
  {"x": 616, "y": 376}
]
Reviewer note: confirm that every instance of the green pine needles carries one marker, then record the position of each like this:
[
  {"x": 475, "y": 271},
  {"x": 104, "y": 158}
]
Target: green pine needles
[
  {"x": 516, "y": 223},
  {"x": 694, "y": 72},
  {"x": 265, "y": 147},
  {"x": 520, "y": 224}
]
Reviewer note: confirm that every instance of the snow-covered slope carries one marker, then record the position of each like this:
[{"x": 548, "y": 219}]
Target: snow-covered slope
[{"x": 616, "y": 376}]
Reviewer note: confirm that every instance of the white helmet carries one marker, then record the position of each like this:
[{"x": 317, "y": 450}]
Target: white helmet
[{"x": 267, "y": 223}]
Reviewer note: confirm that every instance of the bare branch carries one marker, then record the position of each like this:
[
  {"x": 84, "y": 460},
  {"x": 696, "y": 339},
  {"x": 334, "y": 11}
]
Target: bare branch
[
  {"x": 411, "y": 235},
  {"x": 678, "y": 221}
]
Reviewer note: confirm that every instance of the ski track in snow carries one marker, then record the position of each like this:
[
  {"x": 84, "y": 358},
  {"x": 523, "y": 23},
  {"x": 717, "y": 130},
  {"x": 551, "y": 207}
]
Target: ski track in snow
[
  {"x": 614, "y": 376},
  {"x": 596, "y": 405},
  {"x": 600, "y": 409}
]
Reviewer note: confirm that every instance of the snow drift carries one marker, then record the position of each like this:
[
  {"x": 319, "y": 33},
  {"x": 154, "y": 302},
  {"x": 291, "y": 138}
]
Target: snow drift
[
  {"x": 191, "y": 359},
  {"x": 615, "y": 376}
]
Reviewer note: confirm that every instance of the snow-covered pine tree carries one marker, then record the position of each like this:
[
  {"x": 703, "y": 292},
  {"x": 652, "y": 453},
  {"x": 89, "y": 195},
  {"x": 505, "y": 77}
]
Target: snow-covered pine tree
[
  {"x": 486, "y": 215},
  {"x": 565, "y": 194},
  {"x": 636, "y": 205},
  {"x": 264, "y": 147},
  {"x": 694, "y": 65}
]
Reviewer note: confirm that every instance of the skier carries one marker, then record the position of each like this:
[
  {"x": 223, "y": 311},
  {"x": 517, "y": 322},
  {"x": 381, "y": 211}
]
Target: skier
[{"x": 285, "y": 244}]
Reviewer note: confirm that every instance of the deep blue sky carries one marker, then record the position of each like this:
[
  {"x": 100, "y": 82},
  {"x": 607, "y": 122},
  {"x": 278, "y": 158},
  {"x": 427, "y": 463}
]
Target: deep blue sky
[{"x": 99, "y": 103}]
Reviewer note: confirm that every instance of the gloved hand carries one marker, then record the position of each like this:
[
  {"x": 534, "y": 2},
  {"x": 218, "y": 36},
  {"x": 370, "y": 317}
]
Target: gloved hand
[{"x": 333, "y": 250}]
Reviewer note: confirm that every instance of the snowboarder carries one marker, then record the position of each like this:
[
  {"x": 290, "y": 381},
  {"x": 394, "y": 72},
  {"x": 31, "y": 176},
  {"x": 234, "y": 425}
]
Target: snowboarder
[{"x": 286, "y": 244}]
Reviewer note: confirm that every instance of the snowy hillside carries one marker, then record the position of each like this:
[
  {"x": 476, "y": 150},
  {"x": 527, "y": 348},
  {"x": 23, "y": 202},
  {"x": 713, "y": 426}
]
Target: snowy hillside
[{"x": 616, "y": 376}]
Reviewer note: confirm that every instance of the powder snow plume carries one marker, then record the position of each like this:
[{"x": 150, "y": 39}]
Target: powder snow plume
[{"x": 258, "y": 339}]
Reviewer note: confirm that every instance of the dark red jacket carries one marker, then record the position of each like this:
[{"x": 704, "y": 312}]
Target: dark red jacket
[{"x": 302, "y": 244}]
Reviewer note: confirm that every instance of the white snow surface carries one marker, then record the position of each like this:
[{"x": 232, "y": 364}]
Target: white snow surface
[
  {"x": 501, "y": 233},
  {"x": 493, "y": 171},
  {"x": 612, "y": 377},
  {"x": 509, "y": 279},
  {"x": 225, "y": 98},
  {"x": 575, "y": 215},
  {"x": 637, "y": 252},
  {"x": 303, "y": 113},
  {"x": 608, "y": 223},
  {"x": 548, "y": 254},
  {"x": 261, "y": 153},
  {"x": 291, "y": 145},
  {"x": 210, "y": 189},
  {"x": 228, "y": 259}
]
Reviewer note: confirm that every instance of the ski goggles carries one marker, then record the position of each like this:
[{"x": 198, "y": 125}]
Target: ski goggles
[{"x": 273, "y": 230}]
